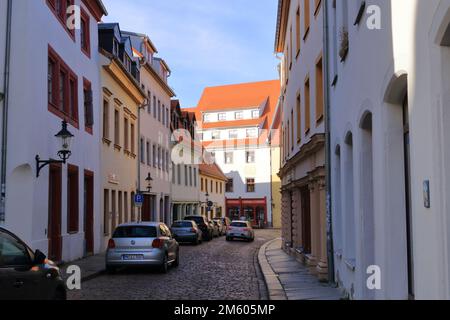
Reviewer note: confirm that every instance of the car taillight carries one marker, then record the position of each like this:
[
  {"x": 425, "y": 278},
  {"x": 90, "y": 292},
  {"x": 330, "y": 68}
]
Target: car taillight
[
  {"x": 230, "y": 228},
  {"x": 158, "y": 243},
  {"x": 247, "y": 229},
  {"x": 193, "y": 230},
  {"x": 111, "y": 244}
]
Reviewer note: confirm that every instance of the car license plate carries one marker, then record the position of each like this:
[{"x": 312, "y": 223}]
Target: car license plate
[{"x": 128, "y": 257}]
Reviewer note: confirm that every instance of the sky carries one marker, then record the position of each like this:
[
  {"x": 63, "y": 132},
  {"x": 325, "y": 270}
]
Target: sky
[{"x": 205, "y": 42}]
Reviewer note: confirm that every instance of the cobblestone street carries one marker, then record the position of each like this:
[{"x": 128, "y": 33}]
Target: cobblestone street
[{"x": 214, "y": 270}]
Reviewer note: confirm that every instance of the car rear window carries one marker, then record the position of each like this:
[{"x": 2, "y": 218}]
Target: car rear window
[
  {"x": 239, "y": 224},
  {"x": 182, "y": 224},
  {"x": 135, "y": 232},
  {"x": 198, "y": 220}
]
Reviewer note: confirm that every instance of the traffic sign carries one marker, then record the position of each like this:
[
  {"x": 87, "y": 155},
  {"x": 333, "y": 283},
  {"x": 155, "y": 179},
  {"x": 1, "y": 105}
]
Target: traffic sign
[{"x": 138, "y": 199}]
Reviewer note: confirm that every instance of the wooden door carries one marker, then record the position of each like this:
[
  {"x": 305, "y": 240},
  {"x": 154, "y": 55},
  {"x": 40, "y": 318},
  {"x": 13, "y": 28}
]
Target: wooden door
[
  {"x": 89, "y": 212},
  {"x": 306, "y": 220},
  {"x": 54, "y": 213}
]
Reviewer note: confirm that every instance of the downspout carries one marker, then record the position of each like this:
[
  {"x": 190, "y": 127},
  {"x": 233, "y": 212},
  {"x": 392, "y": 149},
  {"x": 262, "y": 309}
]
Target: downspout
[
  {"x": 5, "y": 113},
  {"x": 330, "y": 249}
]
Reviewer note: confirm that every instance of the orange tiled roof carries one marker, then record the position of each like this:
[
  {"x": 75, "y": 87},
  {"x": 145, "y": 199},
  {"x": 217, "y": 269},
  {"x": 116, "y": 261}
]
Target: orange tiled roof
[
  {"x": 233, "y": 124},
  {"x": 212, "y": 170}
]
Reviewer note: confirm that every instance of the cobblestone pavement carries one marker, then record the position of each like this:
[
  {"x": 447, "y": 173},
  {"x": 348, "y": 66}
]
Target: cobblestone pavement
[{"x": 216, "y": 270}]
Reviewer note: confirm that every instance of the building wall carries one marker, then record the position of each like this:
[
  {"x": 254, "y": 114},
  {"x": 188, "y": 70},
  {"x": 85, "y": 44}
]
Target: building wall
[
  {"x": 216, "y": 195},
  {"x": 119, "y": 167},
  {"x": 32, "y": 125},
  {"x": 157, "y": 134},
  {"x": 276, "y": 187}
]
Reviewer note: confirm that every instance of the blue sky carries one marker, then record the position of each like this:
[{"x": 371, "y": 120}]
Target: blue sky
[{"x": 205, "y": 42}]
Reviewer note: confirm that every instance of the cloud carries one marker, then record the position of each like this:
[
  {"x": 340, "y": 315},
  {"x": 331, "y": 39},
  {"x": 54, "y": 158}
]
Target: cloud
[{"x": 205, "y": 42}]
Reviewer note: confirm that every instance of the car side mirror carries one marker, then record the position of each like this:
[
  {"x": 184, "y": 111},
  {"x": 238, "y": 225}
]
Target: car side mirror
[{"x": 39, "y": 258}]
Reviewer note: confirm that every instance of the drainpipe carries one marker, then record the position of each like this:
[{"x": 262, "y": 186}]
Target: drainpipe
[
  {"x": 330, "y": 249},
  {"x": 5, "y": 113}
]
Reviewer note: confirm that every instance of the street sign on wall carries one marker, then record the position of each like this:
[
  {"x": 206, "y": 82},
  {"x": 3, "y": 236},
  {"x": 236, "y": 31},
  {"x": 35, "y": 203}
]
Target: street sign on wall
[{"x": 138, "y": 200}]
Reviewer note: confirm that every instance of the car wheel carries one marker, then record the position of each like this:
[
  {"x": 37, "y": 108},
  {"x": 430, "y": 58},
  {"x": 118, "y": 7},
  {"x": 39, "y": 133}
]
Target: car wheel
[
  {"x": 176, "y": 263},
  {"x": 228, "y": 239},
  {"x": 196, "y": 242},
  {"x": 164, "y": 266}
]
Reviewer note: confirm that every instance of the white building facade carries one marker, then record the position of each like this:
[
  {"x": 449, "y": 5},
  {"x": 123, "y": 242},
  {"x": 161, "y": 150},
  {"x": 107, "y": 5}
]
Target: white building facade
[
  {"x": 57, "y": 212},
  {"x": 154, "y": 128},
  {"x": 390, "y": 152}
]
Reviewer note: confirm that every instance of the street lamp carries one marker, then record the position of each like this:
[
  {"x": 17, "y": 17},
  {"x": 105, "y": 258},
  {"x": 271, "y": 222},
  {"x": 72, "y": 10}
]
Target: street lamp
[
  {"x": 64, "y": 154},
  {"x": 149, "y": 180}
]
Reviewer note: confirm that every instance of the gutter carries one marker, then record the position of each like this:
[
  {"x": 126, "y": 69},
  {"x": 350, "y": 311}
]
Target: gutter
[
  {"x": 330, "y": 249},
  {"x": 5, "y": 113}
]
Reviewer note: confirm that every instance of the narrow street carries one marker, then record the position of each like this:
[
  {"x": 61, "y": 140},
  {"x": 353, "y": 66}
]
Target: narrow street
[{"x": 216, "y": 270}]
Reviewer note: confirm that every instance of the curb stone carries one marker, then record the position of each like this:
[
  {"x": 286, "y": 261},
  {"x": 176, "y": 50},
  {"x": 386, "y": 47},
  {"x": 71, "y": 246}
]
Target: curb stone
[{"x": 274, "y": 287}]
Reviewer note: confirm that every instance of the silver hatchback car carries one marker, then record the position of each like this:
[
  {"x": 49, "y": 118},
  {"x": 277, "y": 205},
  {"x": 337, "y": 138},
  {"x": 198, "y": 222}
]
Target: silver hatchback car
[{"x": 142, "y": 244}]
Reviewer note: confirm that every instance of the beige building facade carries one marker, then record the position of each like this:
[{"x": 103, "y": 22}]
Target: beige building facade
[{"x": 212, "y": 189}]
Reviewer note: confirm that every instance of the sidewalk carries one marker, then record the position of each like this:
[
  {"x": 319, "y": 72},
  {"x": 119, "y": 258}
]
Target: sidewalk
[
  {"x": 91, "y": 267},
  {"x": 287, "y": 279}
]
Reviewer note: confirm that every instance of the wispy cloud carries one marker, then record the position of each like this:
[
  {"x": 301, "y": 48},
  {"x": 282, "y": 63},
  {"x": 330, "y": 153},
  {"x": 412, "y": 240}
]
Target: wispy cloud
[{"x": 206, "y": 42}]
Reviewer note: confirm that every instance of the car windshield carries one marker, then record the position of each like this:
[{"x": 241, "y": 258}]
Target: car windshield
[
  {"x": 198, "y": 220},
  {"x": 135, "y": 232},
  {"x": 239, "y": 224},
  {"x": 182, "y": 224}
]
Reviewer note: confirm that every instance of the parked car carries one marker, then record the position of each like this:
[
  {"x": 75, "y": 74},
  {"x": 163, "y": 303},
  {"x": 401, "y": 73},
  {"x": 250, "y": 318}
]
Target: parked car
[
  {"x": 240, "y": 230},
  {"x": 222, "y": 228},
  {"x": 204, "y": 225},
  {"x": 226, "y": 222},
  {"x": 186, "y": 231},
  {"x": 216, "y": 228},
  {"x": 142, "y": 244},
  {"x": 27, "y": 275}
]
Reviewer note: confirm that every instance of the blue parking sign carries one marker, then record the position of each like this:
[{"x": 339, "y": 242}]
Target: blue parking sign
[{"x": 139, "y": 199}]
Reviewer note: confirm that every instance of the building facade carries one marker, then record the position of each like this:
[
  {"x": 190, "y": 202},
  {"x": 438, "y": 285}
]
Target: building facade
[
  {"x": 300, "y": 39},
  {"x": 185, "y": 168},
  {"x": 122, "y": 98},
  {"x": 212, "y": 190},
  {"x": 389, "y": 127},
  {"x": 57, "y": 212},
  {"x": 154, "y": 128},
  {"x": 234, "y": 128}
]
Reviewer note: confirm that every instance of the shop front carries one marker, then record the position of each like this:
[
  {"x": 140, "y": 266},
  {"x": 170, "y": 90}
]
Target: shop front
[{"x": 253, "y": 210}]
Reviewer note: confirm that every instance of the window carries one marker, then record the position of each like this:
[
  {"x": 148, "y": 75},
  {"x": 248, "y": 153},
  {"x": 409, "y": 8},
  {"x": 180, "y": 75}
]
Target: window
[
  {"x": 148, "y": 153},
  {"x": 250, "y": 156},
  {"x": 159, "y": 111},
  {"x": 201, "y": 185},
  {"x": 292, "y": 129},
  {"x": 250, "y": 182},
  {"x": 179, "y": 173},
  {"x": 125, "y": 134},
  {"x": 13, "y": 252},
  {"x": 163, "y": 115},
  {"x": 173, "y": 173},
  {"x": 233, "y": 134},
  {"x": 106, "y": 211},
  {"x": 190, "y": 176},
  {"x": 105, "y": 119},
  {"x": 307, "y": 12},
  {"x": 163, "y": 160},
  {"x": 229, "y": 186},
  {"x": 221, "y": 187},
  {"x": 116, "y": 127},
  {"x": 62, "y": 91},
  {"x": 154, "y": 107},
  {"x": 222, "y": 117},
  {"x": 85, "y": 34},
  {"x": 132, "y": 139},
  {"x": 297, "y": 30},
  {"x": 319, "y": 91},
  {"x": 141, "y": 149},
  {"x": 216, "y": 135},
  {"x": 167, "y": 161},
  {"x": 207, "y": 117},
  {"x": 217, "y": 187},
  {"x": 154, "y": 155},
  {"x": 252, "y": 133},
  {"x": 59, "y": 9},
  {"x": 185, "y": 175},
  {"x": 195, "y": 177},
  {"x": 72, "y": 199},
  {"x": 239, "y": 115},
  {"x": 125, "y": 204},
  {"x": 149, "y": 106},
  {"x": 255, "y": 114},
  {"x": 206, "y": 185},
  {"x": 167, "y": 117},
  {"x": 307, "y": 107},
  {"x": 299, "y": 119},
  {"x": 88, "y": 106},
  {"x": 228, "y": 157},
  {"x": 159, "y": 157}
]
